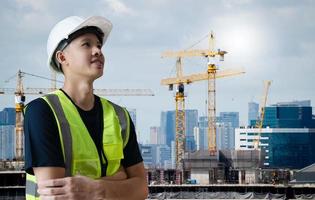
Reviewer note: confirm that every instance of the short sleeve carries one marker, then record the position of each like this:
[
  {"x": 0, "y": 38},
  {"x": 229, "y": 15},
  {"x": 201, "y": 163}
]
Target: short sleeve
[
  {"x": 42, "y": 142},
  {"x": 132, "y": 153}
]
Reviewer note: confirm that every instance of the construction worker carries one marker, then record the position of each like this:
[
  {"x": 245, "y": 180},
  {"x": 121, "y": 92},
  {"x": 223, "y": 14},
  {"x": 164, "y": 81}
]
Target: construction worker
[{"x": 79, "y": 145}]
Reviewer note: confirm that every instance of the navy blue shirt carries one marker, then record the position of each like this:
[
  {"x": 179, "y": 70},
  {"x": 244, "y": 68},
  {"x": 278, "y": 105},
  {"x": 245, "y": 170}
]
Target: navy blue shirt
[{"x": 42, "y": 142}]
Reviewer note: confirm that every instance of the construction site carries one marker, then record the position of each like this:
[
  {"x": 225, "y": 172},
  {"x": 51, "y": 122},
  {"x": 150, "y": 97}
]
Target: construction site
[{"x": 203, "y": 174}]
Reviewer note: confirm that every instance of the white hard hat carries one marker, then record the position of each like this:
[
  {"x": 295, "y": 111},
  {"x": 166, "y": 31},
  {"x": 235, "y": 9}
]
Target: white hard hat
[{"x": 69, "y": 25}]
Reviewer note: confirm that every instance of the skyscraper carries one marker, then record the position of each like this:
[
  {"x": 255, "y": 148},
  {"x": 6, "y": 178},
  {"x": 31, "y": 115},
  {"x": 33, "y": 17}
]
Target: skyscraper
[
  {"x": 287, "y": 139},
  {"x": 191, "y": 123},
  {"x": 7, "y": 142},
  {"x": 203, "y": 132},
  {"x": 156, "y": 136},
  {"x": 168, "y": 127},
  {"x": 133, "y": 116},
  {"x": 226, "y": 124},
  {"x": 252, "y": 111},
  {"x": 7, "y": 116}
]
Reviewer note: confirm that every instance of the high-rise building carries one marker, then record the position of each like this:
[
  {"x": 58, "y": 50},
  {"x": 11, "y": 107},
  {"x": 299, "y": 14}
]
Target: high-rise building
[
  {"x": 7, "y": 116},
  {"x": 191, "y": 122},
  {"x": 7, "y": 142},
  {"x": 133, "y": 116},
  {"x": 203, "y": 132},
  {"x": 197, "y": 138},
  {"x": 226, "y": 124},
  {"x": 155, "y": 136},
  {"x": 287, "y": 137},
  {"x": 225, "y": 135},
  {"x": 253, "y": 108},
  {"x": 303, "y": 103},
  {"x": 163, "y": 155},
  {"x": 168, "y": 127},
  {"x": 148, "y": 152},
  {"x": 288, "y": 117}
]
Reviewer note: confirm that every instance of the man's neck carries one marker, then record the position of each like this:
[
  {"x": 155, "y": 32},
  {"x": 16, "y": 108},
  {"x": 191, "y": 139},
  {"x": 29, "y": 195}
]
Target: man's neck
[{"x": 81, "y": 94}]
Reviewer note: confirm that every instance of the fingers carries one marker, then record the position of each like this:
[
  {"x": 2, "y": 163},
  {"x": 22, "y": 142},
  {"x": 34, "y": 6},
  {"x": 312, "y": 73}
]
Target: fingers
[
  {"x": 52, "y": 183},
  {"x": 59, "y": 197},
  {"x": 51, "y": 191}
]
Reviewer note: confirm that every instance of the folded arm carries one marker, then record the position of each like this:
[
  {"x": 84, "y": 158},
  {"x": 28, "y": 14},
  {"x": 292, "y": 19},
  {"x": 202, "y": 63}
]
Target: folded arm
[{"x": 125, "y": 184}]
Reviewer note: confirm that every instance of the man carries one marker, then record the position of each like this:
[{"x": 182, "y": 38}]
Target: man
[{"x": 78, "y": 145}]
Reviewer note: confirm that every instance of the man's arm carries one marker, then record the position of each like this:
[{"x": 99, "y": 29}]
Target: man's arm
[
  {"x": 134, "y": 187},
  {"x": 81, "y": 187}
]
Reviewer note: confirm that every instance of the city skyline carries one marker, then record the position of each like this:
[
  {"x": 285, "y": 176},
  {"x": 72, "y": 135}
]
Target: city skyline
[{"x": 270, "y": 40}]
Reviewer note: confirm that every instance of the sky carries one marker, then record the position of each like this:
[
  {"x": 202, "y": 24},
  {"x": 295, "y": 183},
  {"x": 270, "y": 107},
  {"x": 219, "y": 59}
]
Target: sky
[{"x": 270, "y": 40}]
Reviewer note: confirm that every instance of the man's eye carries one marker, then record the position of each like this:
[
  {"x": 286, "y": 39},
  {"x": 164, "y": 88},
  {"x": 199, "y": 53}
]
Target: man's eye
[
  {"x": 87, "y": 44},
  {"x": 99, "y": 46}
]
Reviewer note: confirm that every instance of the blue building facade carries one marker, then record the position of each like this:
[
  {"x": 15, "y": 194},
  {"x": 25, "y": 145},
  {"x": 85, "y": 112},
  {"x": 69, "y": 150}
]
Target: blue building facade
[
  {"x": 294, "y": 149},
  {"x": 7, "y": 142},
  {"x": 287, "y": 138},
  {"x": 226, "y": 124},
  {"x": 253, "y": 108},
  {"x": 168, "y": 127},
  {"x": 7, "y": 116},
  {"x": 288, "y": 117}
]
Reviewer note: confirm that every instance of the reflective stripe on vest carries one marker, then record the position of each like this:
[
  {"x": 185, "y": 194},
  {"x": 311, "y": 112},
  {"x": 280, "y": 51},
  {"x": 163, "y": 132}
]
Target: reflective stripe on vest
[{"x": 79, "y": 151}]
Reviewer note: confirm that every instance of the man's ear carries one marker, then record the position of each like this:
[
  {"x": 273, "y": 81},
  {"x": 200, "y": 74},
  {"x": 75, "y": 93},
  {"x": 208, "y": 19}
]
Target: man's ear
[{"x": 60, "y": 57}]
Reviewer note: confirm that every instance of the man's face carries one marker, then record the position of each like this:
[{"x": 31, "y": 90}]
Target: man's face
[{"x": 84, "y": 57}]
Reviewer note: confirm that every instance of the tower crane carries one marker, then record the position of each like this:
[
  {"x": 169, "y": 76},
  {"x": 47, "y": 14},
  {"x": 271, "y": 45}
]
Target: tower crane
[
  {"x": 211, "y": 74},
  {"x": 260, "y": 120},
  {"x": 20, "y": 93}
]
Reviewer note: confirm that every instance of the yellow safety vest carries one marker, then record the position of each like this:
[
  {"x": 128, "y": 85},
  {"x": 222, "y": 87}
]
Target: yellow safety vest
[{"x": 79, "y": 151}]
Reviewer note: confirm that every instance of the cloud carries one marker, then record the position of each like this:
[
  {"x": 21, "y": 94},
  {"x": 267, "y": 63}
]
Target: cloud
[
  {"x": 119, "y": 8},
  {"x": 33, "y": 4}
]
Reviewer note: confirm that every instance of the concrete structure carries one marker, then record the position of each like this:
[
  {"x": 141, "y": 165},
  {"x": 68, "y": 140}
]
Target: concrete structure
[
  {"x": 305, "y": 175},
  {"x": 203, "y": 168}
]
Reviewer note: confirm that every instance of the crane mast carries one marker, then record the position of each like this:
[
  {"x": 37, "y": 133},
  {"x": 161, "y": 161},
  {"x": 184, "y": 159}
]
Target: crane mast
[{"x": 260, "y": 120}]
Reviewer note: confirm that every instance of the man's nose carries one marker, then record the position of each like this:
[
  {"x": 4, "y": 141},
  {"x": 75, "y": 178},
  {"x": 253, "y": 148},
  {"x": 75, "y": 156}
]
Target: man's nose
[{"x": 97, "y": 51}]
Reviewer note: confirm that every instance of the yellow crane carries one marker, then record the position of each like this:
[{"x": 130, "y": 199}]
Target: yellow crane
[
  {"x": 211, "y": 74},
  {"x": 260, "y": 120},
  {"x": 20, "y": 93}
]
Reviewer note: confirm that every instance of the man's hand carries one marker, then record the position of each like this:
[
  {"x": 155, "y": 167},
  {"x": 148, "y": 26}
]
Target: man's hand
[{"x": 77, "y": 187}]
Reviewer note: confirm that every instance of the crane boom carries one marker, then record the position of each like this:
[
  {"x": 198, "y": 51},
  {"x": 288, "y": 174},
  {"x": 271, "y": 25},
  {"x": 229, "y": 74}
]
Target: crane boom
[
  {"x": 101, "y": 92},
  {"x": 200, "y": 77}
]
